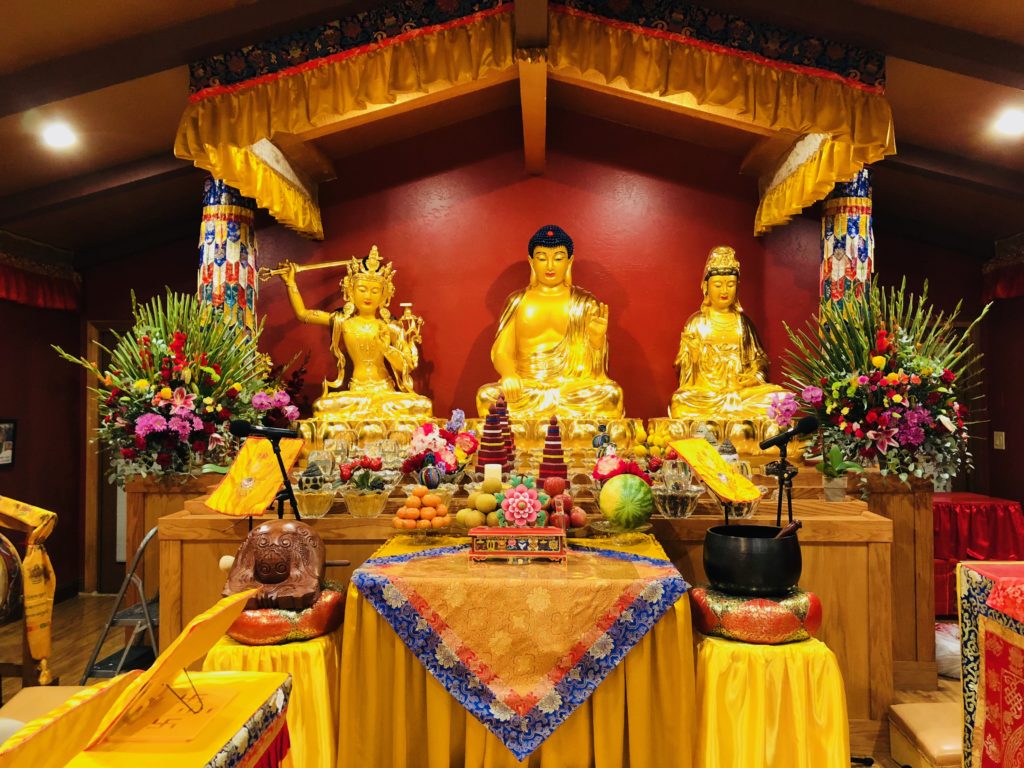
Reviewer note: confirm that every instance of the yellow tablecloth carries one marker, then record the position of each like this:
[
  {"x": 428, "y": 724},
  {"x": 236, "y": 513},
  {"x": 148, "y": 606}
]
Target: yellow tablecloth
[
  {"x": 394, "y": 713},
  {"x": 313, "y": 708},
  {"x": 770, "y": 706}
]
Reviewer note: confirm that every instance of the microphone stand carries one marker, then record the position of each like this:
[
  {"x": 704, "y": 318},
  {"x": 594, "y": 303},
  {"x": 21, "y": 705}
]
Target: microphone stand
[
  {"x": 286, "y": 493},
  {"x": 785, "y": 472}
]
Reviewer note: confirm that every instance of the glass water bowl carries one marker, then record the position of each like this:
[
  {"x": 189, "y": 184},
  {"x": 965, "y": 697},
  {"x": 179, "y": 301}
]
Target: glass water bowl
[
  {"x": 677, "y": 502},
  {"x": 314, "y": 504},
  {"x": 366, "y": 504}
]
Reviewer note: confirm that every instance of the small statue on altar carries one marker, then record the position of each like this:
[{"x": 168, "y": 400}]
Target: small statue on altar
[
  {"x": 723, "y": 368},
  {"x": 551, "y": 349},
  {"x": 383, "y": 350}
]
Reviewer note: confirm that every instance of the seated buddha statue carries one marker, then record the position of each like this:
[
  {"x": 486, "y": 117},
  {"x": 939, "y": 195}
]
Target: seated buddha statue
[
  {"x": 551, "y": 349},
  {"x": 723, "y": 369},
  {"x": 383, "y": 350}
]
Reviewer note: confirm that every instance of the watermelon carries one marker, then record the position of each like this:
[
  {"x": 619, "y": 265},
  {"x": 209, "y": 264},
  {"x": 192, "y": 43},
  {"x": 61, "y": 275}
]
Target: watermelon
[{"x": 626, "y": 501}]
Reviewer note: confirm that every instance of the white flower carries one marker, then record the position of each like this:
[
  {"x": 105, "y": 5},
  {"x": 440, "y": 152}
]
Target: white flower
[
  {"x": 392, "y": 596},
  {"x": 445, "y": 656},
  {"x": 653, "y": 592},
  {"x": 601, "y": 647},
  {"x": 550, "y": 703},
  {"x": 501, "y": 711},
  {"x": 944, "y": 421}
]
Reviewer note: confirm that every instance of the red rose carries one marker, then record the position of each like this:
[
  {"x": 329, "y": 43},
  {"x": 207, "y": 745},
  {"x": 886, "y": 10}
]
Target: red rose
[
  {"x": 209, "y": 427},
  {"x": 199, "y": 446},
  {"x": 933, "y": 398},
  {"x": 871, "y": 417},
  {"x": 948, "y": 376},
  {"x": 140, "y": 442},
  {"x": 223, "y": 414},
  {"x": 129, "y": 453}
]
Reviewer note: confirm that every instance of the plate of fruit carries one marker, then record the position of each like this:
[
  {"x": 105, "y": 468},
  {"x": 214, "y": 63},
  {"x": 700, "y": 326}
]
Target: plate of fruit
[{"x": 423, "y": 511}]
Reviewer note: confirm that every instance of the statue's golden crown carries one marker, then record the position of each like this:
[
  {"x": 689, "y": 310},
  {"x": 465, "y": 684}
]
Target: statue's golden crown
[
  {"x": 370, "y": 268},
  {"x": 722, "y": 261}
]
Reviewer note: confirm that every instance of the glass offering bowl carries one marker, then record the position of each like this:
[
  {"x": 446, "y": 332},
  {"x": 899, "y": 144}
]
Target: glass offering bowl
[
  {"x": 677, "y": 502},
  {"x": 314, "y": 503},
  {"x": 740, "y": 510},
  {"x": 444, "y": 490},
  {"x": 361, "y": 504}
]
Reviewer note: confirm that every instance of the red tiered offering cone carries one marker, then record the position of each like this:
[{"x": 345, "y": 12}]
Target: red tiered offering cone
[
  {"x": 492, "y": 442},
  {"x": 552, "y": 463},
  {"x": 501, "y": 408}
]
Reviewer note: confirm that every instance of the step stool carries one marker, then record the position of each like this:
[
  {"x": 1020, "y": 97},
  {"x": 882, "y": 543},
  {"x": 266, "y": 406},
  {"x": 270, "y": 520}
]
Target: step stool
[{"x": 926, "y": 735}]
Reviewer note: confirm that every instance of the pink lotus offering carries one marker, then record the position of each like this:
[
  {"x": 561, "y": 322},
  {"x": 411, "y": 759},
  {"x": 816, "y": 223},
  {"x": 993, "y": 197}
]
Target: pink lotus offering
[{"x": 521, "y": 506}]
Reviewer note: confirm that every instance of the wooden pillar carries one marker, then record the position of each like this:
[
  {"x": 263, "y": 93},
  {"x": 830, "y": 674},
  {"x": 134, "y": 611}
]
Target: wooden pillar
[{"x": 909, "y": 506}]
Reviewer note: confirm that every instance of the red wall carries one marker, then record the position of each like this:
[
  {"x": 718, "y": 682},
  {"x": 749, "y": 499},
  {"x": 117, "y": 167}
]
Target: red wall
[
  {"x": 454, "y": 210},
  {"x": 38, "y": 389}
]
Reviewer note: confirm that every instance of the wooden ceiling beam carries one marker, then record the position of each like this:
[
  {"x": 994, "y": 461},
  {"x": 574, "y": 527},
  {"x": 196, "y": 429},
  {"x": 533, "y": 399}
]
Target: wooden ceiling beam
[
  {"x": 531, "y": 23},
  {"x": 174, "y": 46},
  {"x": 904, "y": 37},
  {"x": 70, "y": 191},
  {"x": 533, "y": 101},
  {"x": 935, "y": 164}
]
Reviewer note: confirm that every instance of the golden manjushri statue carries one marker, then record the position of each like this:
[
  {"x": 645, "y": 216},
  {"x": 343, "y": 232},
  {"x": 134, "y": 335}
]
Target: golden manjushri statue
[
  {"x": 551, "y": 349},
  {"x": 383, "y": 350},
  {"x": 723, "y": 369}
]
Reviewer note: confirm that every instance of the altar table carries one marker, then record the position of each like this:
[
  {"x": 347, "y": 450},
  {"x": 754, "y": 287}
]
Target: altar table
[
  {"x": 395, "y": 713},
  {"x": 313, "y": 708},
  {"x": 770, "y": 706},
  {"x": 992, "y": 631},
  {"x": 969, "y": 526}
]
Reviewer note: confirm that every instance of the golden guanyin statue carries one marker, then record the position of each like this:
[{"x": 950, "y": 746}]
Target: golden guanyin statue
[
  {"x": 723, "y": 369},
  {"x": 551, "y": 349},
  {"x": 383, "y": 350}
]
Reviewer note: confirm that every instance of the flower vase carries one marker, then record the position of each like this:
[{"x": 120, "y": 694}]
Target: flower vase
[{"x": 835, "y": 488}]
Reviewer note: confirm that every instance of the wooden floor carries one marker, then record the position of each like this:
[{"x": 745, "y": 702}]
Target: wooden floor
[{"x": 78, "y": 622}]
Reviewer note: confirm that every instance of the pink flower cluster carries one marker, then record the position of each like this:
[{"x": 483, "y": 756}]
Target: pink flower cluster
[{"x": 520, "y": 506}]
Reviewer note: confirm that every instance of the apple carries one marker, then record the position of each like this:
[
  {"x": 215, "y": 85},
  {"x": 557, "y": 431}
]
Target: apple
[
  {"x": 578, "y": 517},
  {"x": 554, "y": 486},
  {"x": 567, "y": 502},
  {"x": 559, "y": 520}
]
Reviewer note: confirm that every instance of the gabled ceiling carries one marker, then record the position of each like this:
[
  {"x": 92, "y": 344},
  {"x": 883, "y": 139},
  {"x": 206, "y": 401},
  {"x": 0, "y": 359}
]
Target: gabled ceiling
[{"x": 117, "y": 71}]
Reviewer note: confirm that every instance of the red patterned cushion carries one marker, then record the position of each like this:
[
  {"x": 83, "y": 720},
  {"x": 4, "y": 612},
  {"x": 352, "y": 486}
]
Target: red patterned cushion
[
  {"x": 761, "y": 620},
  {"x": 273, "y": 626}
]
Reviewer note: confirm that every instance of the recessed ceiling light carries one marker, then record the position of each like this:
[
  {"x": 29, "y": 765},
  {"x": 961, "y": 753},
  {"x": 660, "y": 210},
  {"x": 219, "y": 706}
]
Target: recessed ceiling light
[
  {"x": 59, "y": 135},
  {"x": 1011, "y": 122}
]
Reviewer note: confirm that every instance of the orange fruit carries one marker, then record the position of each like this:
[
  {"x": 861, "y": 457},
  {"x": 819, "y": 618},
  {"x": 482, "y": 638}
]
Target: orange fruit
[
  {"x": 422, "y": 523},
  {"x": 414, "y": 502},
  {"x": 428, "y": 513},
  {"x": 432, "y": 500},
  {"x": 409, "y": 523},
  {"x": 420, "y": 490},
  {"x": 398, "y": 522},
  {"x": 442, "y": 510},
  {"x": 440, "y": 522}
]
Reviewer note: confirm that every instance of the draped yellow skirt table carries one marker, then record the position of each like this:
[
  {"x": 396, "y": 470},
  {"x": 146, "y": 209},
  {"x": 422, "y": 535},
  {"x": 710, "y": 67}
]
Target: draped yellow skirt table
[
  {"x": 770, "y": 706},
  {"x": 395, "y": 713},
  {"x": 313, "y": 709}
]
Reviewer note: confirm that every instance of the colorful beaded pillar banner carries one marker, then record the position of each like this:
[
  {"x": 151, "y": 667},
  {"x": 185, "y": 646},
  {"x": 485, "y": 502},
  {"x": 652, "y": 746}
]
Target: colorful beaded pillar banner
[
  {"x": 847, "y": 239},
  {"x": 227, "y": 254}
]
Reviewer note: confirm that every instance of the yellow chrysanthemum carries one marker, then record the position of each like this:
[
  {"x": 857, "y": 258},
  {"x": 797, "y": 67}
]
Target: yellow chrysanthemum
[
  {"x": 878, "y": 361},
  {"x": 166, "y": 393},
  {"x": 141, "y": 384}
]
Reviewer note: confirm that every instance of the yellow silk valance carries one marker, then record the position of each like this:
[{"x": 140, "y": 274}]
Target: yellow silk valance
[{"x": 220, "y": 125}]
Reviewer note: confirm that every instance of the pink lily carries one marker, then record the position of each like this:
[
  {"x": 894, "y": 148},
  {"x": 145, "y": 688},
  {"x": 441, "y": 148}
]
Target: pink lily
[
  {"x": 883, "y": 437},
  {"x": 182, "y": 402}
]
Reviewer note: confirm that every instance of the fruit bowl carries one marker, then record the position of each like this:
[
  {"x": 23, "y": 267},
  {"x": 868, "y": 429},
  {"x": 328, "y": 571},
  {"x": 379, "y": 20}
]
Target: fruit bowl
[
  {"x": 740, "y": 510},
  {"x": 677, "y": 502},
  {"x": 366, "y": 504},
  {"x": 314, "y": 504},
  {"x": 444, "y": 490}
]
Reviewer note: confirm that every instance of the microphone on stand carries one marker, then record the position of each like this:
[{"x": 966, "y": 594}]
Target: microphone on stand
[
  {"x": 245, "y": 429},
  {"x": 805, "y": 426}
]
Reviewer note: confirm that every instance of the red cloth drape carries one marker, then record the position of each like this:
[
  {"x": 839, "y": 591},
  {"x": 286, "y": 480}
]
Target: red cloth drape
[
  {"x": 273, "y": 756},
  {"x": 969, "y": 526},
  {"x": 37, "y": 289}
]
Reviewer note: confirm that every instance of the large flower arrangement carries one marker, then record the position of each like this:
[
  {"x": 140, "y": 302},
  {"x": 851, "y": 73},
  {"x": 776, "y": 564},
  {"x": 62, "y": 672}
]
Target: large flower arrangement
[
  {"x": 888, "y": 378},
  {"x": 450, "y": 446},
  {"x": 175, "y": 381}
]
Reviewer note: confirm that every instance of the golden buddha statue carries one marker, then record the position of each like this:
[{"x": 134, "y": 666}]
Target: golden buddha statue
[
  {"x": 383, "y": 350},
  {"x": 551, "y": 349},
  {"x": 723, "y": 369}
]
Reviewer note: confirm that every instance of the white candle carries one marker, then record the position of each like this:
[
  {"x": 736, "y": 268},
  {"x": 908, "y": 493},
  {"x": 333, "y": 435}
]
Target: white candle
[{"x": 492, "y": 472}]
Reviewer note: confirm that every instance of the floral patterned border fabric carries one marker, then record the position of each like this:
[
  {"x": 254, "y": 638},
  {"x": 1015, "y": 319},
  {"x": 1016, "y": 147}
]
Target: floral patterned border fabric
[
  {"x": 978, "y": 623},
  {"x": 289, "y": 52},
  {"x": 520, "y": 647},
  {"x": 771, "y": 45},
  {"x": 265, "y": 732}
]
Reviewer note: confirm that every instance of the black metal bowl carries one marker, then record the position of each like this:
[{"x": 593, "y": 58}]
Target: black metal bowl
[{"x": 748, "y": 560}]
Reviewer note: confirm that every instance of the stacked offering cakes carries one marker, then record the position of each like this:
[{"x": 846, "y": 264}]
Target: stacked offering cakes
[
  {"x": 553, "y": 460},
  {"x": 493, "y": 446},
  {"x": 501, "y": 408}
]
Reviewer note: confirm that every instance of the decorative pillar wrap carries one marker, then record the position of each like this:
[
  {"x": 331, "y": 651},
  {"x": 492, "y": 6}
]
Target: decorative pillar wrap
[
  {"x": 227, "y": 254},
  {"x": 847, "y": 239}
]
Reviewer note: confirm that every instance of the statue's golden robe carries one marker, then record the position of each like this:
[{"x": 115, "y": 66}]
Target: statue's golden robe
[{"x": 568, "y": 380}]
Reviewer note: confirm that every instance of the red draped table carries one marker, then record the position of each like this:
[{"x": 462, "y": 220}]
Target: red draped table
[{"x": 969, "y": 526}]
